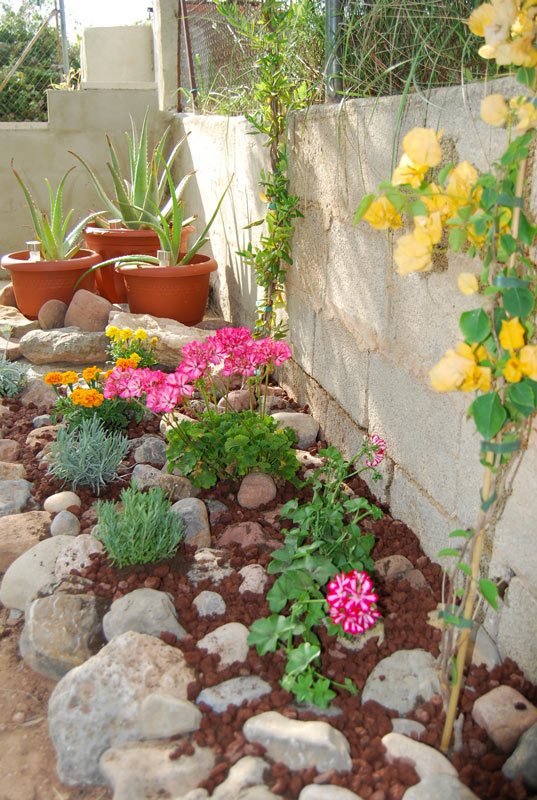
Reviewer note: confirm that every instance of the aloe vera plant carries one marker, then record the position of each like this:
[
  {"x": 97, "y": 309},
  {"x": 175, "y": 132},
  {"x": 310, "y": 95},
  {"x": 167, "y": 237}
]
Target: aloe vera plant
[
  {"x": 56, "y": 243},
  {"x": 137, "y": 196}
]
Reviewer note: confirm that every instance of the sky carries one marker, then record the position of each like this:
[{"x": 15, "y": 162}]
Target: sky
[{"x": 82, "y": 14}]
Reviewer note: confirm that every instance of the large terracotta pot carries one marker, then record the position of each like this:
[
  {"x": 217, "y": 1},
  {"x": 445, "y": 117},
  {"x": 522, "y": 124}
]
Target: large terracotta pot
[
  {"x": 178, "y": 293},
  {"x": 117, "y": 242},
  {"x": 35, "y": 282}
]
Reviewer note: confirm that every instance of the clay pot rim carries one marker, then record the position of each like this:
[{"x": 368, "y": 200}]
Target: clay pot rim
[
  {"x": 120, "y": 233},
  {"x": 200, "y": 265},
  {"x": 19, "y": 261}
]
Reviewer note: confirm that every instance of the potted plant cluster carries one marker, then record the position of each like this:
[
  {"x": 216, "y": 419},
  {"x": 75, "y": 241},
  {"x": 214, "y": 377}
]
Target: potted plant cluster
[
  {"x": 54, "y": 262},
  {"x": 137, "y": 196}
]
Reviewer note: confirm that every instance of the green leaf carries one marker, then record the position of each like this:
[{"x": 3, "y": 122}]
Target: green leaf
[
  {"x": 488, "y": 198},
  {"x": 489, "y": 590},
  {"x": 518, "y": 302},
  {"x": 526, "y": 231},
  {"x": 299, "y": 658},
  {"x": 489, "y": 414},
  {"x": 457, "y": 238},
  {"x": 448, "y": 551},
  {"x": 267, "y": 632},
  {"x": 526, "y": 76},
  {"x": 418, "y": 208},
  {"x": 523, "y": 397},
  {"x": 363, "y": 206},
  {"x": 475, "y": 325},
  {"x": 444, "y": 172},
  {"x": 508, "y": 243},
  {"x": 465, "y": 568},
  {"x": 460, "y": 532}
]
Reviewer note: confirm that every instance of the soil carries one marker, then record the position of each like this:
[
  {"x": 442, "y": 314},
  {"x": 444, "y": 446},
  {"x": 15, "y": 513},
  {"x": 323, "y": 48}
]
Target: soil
[{"x": 29, "y": 771}]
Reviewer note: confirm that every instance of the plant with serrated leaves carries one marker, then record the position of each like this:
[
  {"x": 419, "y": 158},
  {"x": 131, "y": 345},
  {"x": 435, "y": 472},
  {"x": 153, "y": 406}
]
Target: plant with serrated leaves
[
  {"x": 485, "y": 214},
  {"x": 142, "y": 530},
  {"x": 326, "y": 539},
  {"x": 56, "y": 242},
  {"x": 12, "y": 377},
  {"x": 87, "y": 455}
]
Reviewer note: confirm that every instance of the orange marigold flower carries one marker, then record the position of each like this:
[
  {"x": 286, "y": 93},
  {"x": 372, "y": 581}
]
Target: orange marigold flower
[
  {"x": 90, "y": 373},
  {"x": 53, "y": 378},
  {"x": 69, "y": 377}
]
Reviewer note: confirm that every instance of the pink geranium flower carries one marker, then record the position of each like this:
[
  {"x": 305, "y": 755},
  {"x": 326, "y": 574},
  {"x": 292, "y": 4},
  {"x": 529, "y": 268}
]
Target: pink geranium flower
[
  {"x": 376, "y": 456},
  {"x": 351, "y": 599}
]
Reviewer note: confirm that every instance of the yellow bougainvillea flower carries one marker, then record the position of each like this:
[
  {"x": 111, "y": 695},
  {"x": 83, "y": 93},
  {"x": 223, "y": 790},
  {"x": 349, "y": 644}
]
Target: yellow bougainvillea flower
[
  {"x": 494, "y": 110},
  {"x": 112, "y": 332},
  {"x": 527, "y": 117},
  {"x": 461, "y": 182},
  {"x": 449, "y": 374},
  {"x": 436, "y": 200},
  {"x": 528, "y": 361},
  {"x": 140, "y": 334},
  {"x": 412, "y": 255},
  {"x": 512, "y": 334},
  {"x": 480, "y": 18},
  {"x": 428, "y": 230},
  {"x": 476, "y": 378},
  {"x": 53, "y": 378},
  {"x": 409, "y": 172},
  {"x": 382, "y": 214},
  {"x": 467, "y": 283},
  {"x": 512, "y": 371},
  {"x": 520, "y": 52},
  {"x": 505, "y": 12},
  {"x": 69, "y": 377},
  {"x": 422, "y": 147}
]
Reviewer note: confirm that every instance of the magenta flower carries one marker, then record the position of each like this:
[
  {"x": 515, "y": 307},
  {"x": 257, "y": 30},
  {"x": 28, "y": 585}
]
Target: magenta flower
[
  {"x": 376, "y": 456},
  {"x": 351, "y": 599}
]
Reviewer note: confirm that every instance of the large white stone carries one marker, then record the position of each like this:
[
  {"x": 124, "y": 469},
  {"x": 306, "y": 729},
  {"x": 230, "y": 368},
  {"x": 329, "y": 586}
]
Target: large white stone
[
  {"x": 31, "y": 571},
  {"x": 248, "y": 771},
  {"x": 163, "y": 715},
  {"x": 77, "y": 554},
  {"x": 64, "y": 344},
  {"x": 97, "y": 705},
  {"x": 439, "y": 787},
  {"x": 403, "y": 680},
  {"x": 144, "y": 610},
  {"x": 20, "y": 532},
  {"x": 299, "y": 744},
  {"x": 425, "y": 759},
  {"x": 326, "y": 792},
  {"x": 228, "y": 641}
]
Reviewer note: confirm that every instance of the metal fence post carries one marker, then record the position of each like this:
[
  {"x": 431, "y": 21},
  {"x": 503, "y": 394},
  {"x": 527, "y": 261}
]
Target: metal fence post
[{"x": 332, "y": 70}]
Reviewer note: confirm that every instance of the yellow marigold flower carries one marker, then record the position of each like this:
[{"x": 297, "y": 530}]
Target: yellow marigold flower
[
  {"x": 528, "y": 361},
  {"x": 135, "y": 359},
  {"x": 449, "y": 374},
  {"x": 461, "y": 182},
  {"x": 140, "y": 334},
  {"x": 428, "y": 230},
  {"x": 382, "y": 214},
  {"x": 421, "y": 146},
  {"x": 512, "y": 334},
  {"x": 53, "y": 378},
  {"x": 69, "y": 377},
  {"x": 480, "y": 18},
  {"x": 112, "y": 332},
  {"x": 125, "y": 334},
  {"x": 467, "y": 283},
  {"x": 90, "y": 373},
  {"x": 154, "y": 340},
  {"x": 409, "y": 172},
  {"x": 512, "y": 371},
  {"x": 412, "y": 255},
  {"x": 527, "y": 117},
  {"x": 494, "y": 110}
]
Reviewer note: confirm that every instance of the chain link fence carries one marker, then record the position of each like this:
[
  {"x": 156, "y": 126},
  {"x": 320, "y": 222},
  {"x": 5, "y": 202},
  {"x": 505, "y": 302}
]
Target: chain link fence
[{"x": 30, "y": 60}]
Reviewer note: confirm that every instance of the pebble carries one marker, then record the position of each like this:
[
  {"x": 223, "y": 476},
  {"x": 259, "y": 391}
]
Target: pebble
[
  {"x": 65, "y": 523},
  {"x": 209, "y": 604},
  {"x": 233, "y": 692},
  {"x": 425, "y": 760},
  {"x": 228, "y": 641},
  {"x": 41, "y": 420},
  {"x": 163, "y": 715},
  {"x": 254, "y": 579},
  {"x": 523, "y": 761},
  {"x": 402, "y": 681},
  {"x": 256, "y": 490},
  {"x": 439, "y": 787},
  {"x": 505, "y": 714},
  {"x": 61, "y": 501}
]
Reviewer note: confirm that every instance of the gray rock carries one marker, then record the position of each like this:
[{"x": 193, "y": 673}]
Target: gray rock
[
  {"x": 209, "y": 604},
  {"x": 14, "y": 496},
  {"x": 327, "y": 792},
  {"x": 11, "y": 471},
  {"x": 19, "y": 533},
  {"x": 403, "y": 680},
  {"x": 9, "y": 450},
  {"x": 88, "y": 311},
  {"x": 52, "y": 314},
  {"x": 209, "y": 564},
  {"x": 254, "y": 579},
  {"x": 96, "y": 705},
  {"x": 233, "y": 692},
  {"x": 61, "y": 501},
  {"x": 248, "y": 771},
  {"x": 163, "y": 715},
  {"x": 523, "y": 761},
  {"x": 304, "y": 426},
  {"x": 483, "y": 649},
  {"x": 64, "y": 344},
  {"x": 31, "y": 571},
  {"x": 237, "y": 400},
  {"x": 171, "y": 335},
  {"x": 151, "y": 451},
  {"x": 319, "y": 711},
  {"x": 196, "y": 529},
  {"x": 66, "y": 524},
  {"x": 425, "y": 760},
  {"x": 299, "y": 744},
  {"x": 505, "y": 714},
  {"x": 76, "y": 554},
  {"x": 42, "y": 420},
  {"x": 256, "y": 490},
  {"x": 407, "y": 726},
  {"x": 228, "y": 641},
  {"x": 392, "y": 566},
  {"x": 175, "y": 486},
  {"x": 141, "y": 770},
  {"x": 439, "y": 787},
  {"x": 215, "y": 509},
  {"x": 60, "y": 632},
  {"x": 144, "y": 610}
]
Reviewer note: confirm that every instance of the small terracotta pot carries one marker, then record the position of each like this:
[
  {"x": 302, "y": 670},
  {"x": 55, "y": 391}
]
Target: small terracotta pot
[
  {"x": 35, "y": 282},
  {"x": 117, "y": 242},
  {"x": 178, "y": 293}
]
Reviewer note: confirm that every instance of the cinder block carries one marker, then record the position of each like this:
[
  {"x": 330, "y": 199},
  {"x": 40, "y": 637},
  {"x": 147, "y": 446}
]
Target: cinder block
[{"x": 517, "y": 636}]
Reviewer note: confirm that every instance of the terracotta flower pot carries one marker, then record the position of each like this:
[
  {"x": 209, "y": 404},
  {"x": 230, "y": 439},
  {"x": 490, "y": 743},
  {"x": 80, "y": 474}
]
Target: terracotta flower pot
[
  {"x": 178, "y": 293},
  {"x": 117, "y": 242},
  {"x": 35, "y": 282}
]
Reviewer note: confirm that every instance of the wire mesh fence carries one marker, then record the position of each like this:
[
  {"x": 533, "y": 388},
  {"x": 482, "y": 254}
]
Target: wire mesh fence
[{"x": 30, "y": 60}]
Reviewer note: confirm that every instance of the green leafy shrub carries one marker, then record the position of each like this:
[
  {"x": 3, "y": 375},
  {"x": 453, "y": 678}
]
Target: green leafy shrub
[
  {"x": 144, "y": 530},
  {"x": 12, "y": 377},
  {"x": 231, "y": 445},
  {"x": 87, "y": 455}
]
